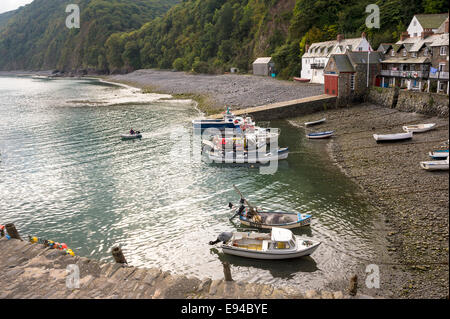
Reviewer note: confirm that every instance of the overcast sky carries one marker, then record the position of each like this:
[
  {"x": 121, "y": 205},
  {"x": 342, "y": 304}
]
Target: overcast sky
[{"x": 8, "y": 5}]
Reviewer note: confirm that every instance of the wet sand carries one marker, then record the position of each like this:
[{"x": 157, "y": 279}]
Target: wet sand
[{"x": 412, "y": 201}]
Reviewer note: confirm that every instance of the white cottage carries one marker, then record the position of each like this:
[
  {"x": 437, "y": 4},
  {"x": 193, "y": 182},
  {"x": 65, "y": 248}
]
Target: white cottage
[
  {"x": 420, "y": 22},
  {"x": 318, "y": 54}
]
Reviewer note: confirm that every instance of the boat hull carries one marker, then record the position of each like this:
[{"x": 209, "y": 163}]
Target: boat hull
[
  {"x": 282, "y": 154},
  {"x": 131, "y": 137},
  {"x": 300, "y": 222},
  {"x": 393, "y": 137},
  {"x": 419, "y": 128},
  {"x": 320, "y": 135},
  {"x": 202, "y": 125},
  {"x": 439, "y": 155},
  {"x": 268, "y": 255},
  {"x": 315, "y": 122},
  {"x": 435, "y": 166}
]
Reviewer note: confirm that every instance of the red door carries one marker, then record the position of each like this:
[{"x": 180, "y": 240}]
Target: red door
[{"x": 331, "y": 84}]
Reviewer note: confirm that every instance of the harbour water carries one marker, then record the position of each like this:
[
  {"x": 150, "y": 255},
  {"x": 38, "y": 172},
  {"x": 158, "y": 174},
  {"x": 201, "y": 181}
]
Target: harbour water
[{"x": 66, "y": 175}]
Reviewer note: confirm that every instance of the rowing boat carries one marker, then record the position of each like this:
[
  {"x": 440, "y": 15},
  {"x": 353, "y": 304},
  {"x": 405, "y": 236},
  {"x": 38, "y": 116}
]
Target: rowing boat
[
  {"x": 435, "y": 165},
  {"x": 315, "y": 122},
  {"x": 419, "y": 128},
  {"x": 439, "y": 155},
  {"x": 319, "y": 135},
  {"x": 393, "y": 137}
]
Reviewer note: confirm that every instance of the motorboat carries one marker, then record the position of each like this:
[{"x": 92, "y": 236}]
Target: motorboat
[
  {"x": 279, "y": 244},
  {"x": 242, "y": 157}
]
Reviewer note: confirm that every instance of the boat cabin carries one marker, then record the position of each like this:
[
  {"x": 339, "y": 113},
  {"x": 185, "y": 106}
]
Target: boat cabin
[{"x": 279, "y": 240}]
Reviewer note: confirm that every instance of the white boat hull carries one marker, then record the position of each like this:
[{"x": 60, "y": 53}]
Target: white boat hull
[
  {"x": 315, "y": 122},
  {"x": 268, "y": 255},
  {"x": 393, "y": 137},
  {"x": 435, "y": 165},
  {"x": 420, "y": 128},
  {"x": 242, "y": 159}
]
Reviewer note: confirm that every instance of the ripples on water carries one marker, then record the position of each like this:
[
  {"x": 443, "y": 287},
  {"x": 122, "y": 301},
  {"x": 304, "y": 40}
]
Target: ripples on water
[{"x": 65, "y": 175}]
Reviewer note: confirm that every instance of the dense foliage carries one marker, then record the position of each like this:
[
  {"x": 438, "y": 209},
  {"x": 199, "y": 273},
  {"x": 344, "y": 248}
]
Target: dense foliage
[
  {"x": 36, "y": 36},
  {"x": 213, "y": 35},
  {"x": 205, "y": 36}
]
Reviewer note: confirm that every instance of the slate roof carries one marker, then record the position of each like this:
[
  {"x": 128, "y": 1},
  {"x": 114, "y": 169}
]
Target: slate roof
[
  {"x": 343, "y": 63},
  {"x": 318, "y": 49}
]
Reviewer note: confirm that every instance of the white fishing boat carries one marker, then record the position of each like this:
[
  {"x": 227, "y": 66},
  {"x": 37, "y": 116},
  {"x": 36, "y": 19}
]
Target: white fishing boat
[
  {"x": 439, "y": 155},
  {"x": 435, "y": 165},
  {"x": 393, "y": 137},
  {"x": 248, "y": 157},
  {"x": 419, "y": 128},
  {"x": 320, "y": 135},
  {"x": 315, "y": 122},
  {"x": 279, "y": 244}
]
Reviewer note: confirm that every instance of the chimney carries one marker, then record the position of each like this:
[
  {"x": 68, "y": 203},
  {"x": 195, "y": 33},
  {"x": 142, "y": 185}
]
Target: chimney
[
  {"x": 426, "y": 33},
  {"x": 446, "y": 26},
  {"x": 405, "y": 35},
  {"x": 307, "y": 48},
  {"x": 340, "y": 37},
  {"x": 363, "y": 35}
]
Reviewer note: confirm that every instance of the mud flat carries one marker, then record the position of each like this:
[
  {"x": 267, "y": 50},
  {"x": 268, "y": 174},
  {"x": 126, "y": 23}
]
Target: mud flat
[
  {"x": 218, "y": 91},
  {"x": 412, "y": 201}
]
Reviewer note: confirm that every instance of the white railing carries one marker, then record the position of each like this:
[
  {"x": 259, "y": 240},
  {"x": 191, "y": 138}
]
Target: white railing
[{"x": 405, "y": 74}]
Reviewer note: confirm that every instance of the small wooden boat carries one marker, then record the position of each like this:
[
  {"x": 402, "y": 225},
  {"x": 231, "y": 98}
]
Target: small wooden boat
[
  {"x": 439, "y": 155},
  {"x": 315, "y": 122},
  {"x": 301, "y": 80},
  {"x": 279, "y": 244},
  {"x": 319, "y": 135},
  {"x": 392, "y": 137},
  {"x": 254, "y": 217},
  {"x": 419, "y": 128},
  {"x": 128, "y": 136},
  {"x": 435, "y": 165}
]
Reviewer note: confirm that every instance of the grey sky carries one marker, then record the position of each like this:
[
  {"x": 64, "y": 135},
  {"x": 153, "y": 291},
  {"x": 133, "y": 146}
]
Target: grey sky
[{"x": 8, "y": 5}]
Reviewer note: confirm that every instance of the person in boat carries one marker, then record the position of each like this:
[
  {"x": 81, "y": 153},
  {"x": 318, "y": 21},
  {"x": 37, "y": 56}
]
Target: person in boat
[{"x": 132, "y": 132}]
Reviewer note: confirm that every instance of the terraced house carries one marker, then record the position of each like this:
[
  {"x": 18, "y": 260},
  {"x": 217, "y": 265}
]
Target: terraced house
[{"x": 419, "y": 60}]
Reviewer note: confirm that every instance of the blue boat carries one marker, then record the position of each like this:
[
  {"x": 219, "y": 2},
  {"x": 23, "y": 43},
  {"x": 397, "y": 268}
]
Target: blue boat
[
  {"x": 229, "y": 121},
  {"x": 320, "y": 135}
]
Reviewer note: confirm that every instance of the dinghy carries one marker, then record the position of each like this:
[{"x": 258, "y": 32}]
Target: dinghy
[
  {"x": 392, "y": 137},
  {"x": 439, "y": 155},
  {"x": 279, "y": 244},
  {"x": 315, "y": 122},
  {"x": 435, "y": 165},
  {"x": 254, "y": 217},
  {"x": 419, "y": 128},
  {"x": 248, "y": 157},
  {"x": 131, "y": 136},
  {"x": 319, "y": 135}
]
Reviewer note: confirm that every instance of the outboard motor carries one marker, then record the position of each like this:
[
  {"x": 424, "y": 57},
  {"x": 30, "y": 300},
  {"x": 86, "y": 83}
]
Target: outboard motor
[{"x": 223, "y": 237}]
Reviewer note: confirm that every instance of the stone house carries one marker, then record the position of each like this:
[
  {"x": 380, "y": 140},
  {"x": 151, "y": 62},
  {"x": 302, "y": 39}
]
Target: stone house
[
  {"x": 317, "y": 55},
  {"x": 349, "y": 76},
  {"x": 421, "y": 62}
]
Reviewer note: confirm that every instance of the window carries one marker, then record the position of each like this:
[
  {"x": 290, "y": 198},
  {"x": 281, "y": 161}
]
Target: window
[
  {"x": 414, "y": 54},
  {"x": 352, "y": 82},
  {"x": 443, "y": 50},
  {"x": 281, "y": 245},
  {"x": 441, "y": 67},
  {"x": 404, "y": 52},
  {"x": 414, "y": 35},
  {"x": 392, "y": 53},
  {"x": 425, "y": 52}
]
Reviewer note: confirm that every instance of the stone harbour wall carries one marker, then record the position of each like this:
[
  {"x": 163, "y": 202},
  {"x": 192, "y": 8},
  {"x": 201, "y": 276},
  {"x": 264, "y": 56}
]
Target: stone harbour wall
[
  {"x": 431, "y": 104},
  {"x": 29, "y": 271}
]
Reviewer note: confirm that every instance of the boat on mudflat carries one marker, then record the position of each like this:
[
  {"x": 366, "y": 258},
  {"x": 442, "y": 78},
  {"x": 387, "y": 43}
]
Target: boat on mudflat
[
  {"x": 392, "y": 137},
  {"x": 248, "y": 157},
  {"x": 419, "y": 128},
  {"x": 320, "y": 135},
  {"x": 435, "y": 165},
  {"x": 439, "y": 155},
  {"x": 279, "y": 244},
  {"x": 315, "y": 122}
]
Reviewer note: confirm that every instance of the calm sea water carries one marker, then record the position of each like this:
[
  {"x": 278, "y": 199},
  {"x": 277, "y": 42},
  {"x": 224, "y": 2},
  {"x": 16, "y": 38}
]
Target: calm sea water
[{"x": 65, "y": 175}]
